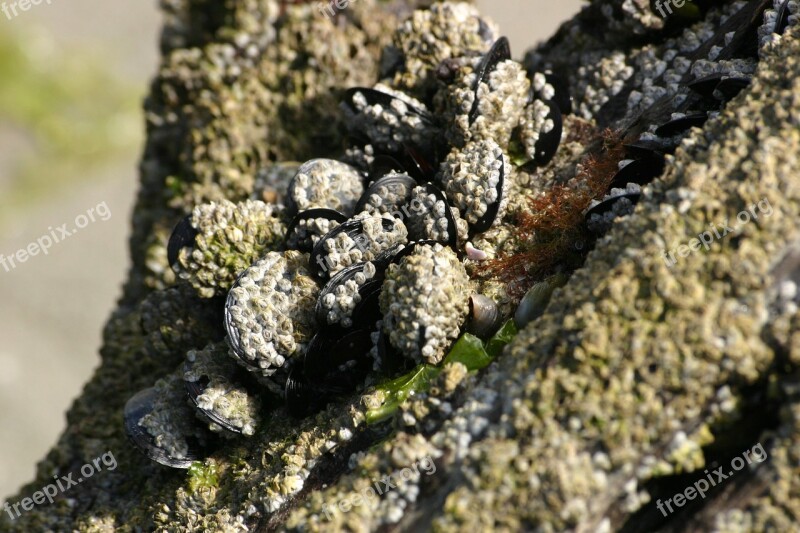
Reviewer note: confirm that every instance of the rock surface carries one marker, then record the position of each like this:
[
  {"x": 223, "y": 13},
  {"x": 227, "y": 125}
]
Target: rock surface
[{"x": 638, "y": 378}]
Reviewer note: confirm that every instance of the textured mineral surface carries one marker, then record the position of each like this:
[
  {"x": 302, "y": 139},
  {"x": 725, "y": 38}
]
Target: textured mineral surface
[{"x": 644, "y": 374}]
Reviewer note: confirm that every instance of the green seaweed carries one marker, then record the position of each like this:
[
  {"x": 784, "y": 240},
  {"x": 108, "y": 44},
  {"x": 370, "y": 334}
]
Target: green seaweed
[{"x": 468, "y": 350}]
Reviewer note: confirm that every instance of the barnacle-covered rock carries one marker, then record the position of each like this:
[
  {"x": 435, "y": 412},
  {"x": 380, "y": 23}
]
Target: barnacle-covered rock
[
  {"x": 325, "y": 183},
  {"x": 269, "y": 313},
  {"x": 425, "y": 301},
  {"x": 223, "y": 401},
  {"x": 429, "y": 36},
  {"x": 476, "y": 180},
  {"x": 230, "y": 237}
]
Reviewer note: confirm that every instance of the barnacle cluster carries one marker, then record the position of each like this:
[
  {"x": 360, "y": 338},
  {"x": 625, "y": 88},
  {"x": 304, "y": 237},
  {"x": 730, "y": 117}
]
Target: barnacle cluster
[
  {"x": 223, "y": 239},
  {"x": 415, "y": 306},
  {"x": 366, "y": 261}
]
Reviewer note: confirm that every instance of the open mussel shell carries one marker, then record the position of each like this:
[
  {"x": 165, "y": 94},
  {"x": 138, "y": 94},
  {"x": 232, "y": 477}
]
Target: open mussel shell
[
  {"x": 306, "y": 244},
  {"x": 399, "y": 187},
  {"x": 140, "y": 405},
  {"x": 182, "y": 237},
  {"x": 500, "y": 51},
  {"x": 638, "y": 171},
  {"x": 608, "y": 204},
  {"x": 493, "y": 210},
  {"x": 679, "y": 125},
  {"x": 339, "y": 279},
  {"x": 484, "y": 316},
  {"x": 353, "y": 228}
]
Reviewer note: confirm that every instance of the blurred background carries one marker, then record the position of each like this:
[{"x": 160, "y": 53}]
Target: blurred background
[{"x": 72, "y": 79}]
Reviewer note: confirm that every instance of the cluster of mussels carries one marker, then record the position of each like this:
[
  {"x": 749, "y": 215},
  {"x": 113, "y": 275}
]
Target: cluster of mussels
[{"x": 359, "y": 270}]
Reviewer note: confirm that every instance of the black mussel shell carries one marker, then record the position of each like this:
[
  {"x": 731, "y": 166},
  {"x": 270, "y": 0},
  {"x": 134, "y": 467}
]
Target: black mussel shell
[
  {"x": 336, "y": 365},
  {"x": 382, "y": 165},
  {"x": 317, "y": 212},
  {"x": 353, "y": 228},
  {"x": 297, "y": 393},
  {"x": 500, "y": 51},
  {"x": 548, "y": 143},
  {"x": 391, "y": 361},
  {"x": 646, "y": 150},
  {"x": 705, "y": 85},
  {"x": 368, "y": 310},
  {"x": 682, "y": 124},
  {"x": 419, "y": 163},
  {"x": 386, "y": 257},
  {"x": 395, "y": 180},
  {"x": 139, "y": 405},
  {"x": 561, "y": 97},
  {"x": 182, "y": 237},
  {"x": 607, "y": 204},
  {"x": 782, "y": 18},
  {"x": 484, "y": 316},
  {"x": 486, "y": 221},
  {"x": 639, "y": 171},
  {"x": 718, "y": 87},
  {"x": 341, "y": 277},
  {"x": 730, "y": 87}
]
